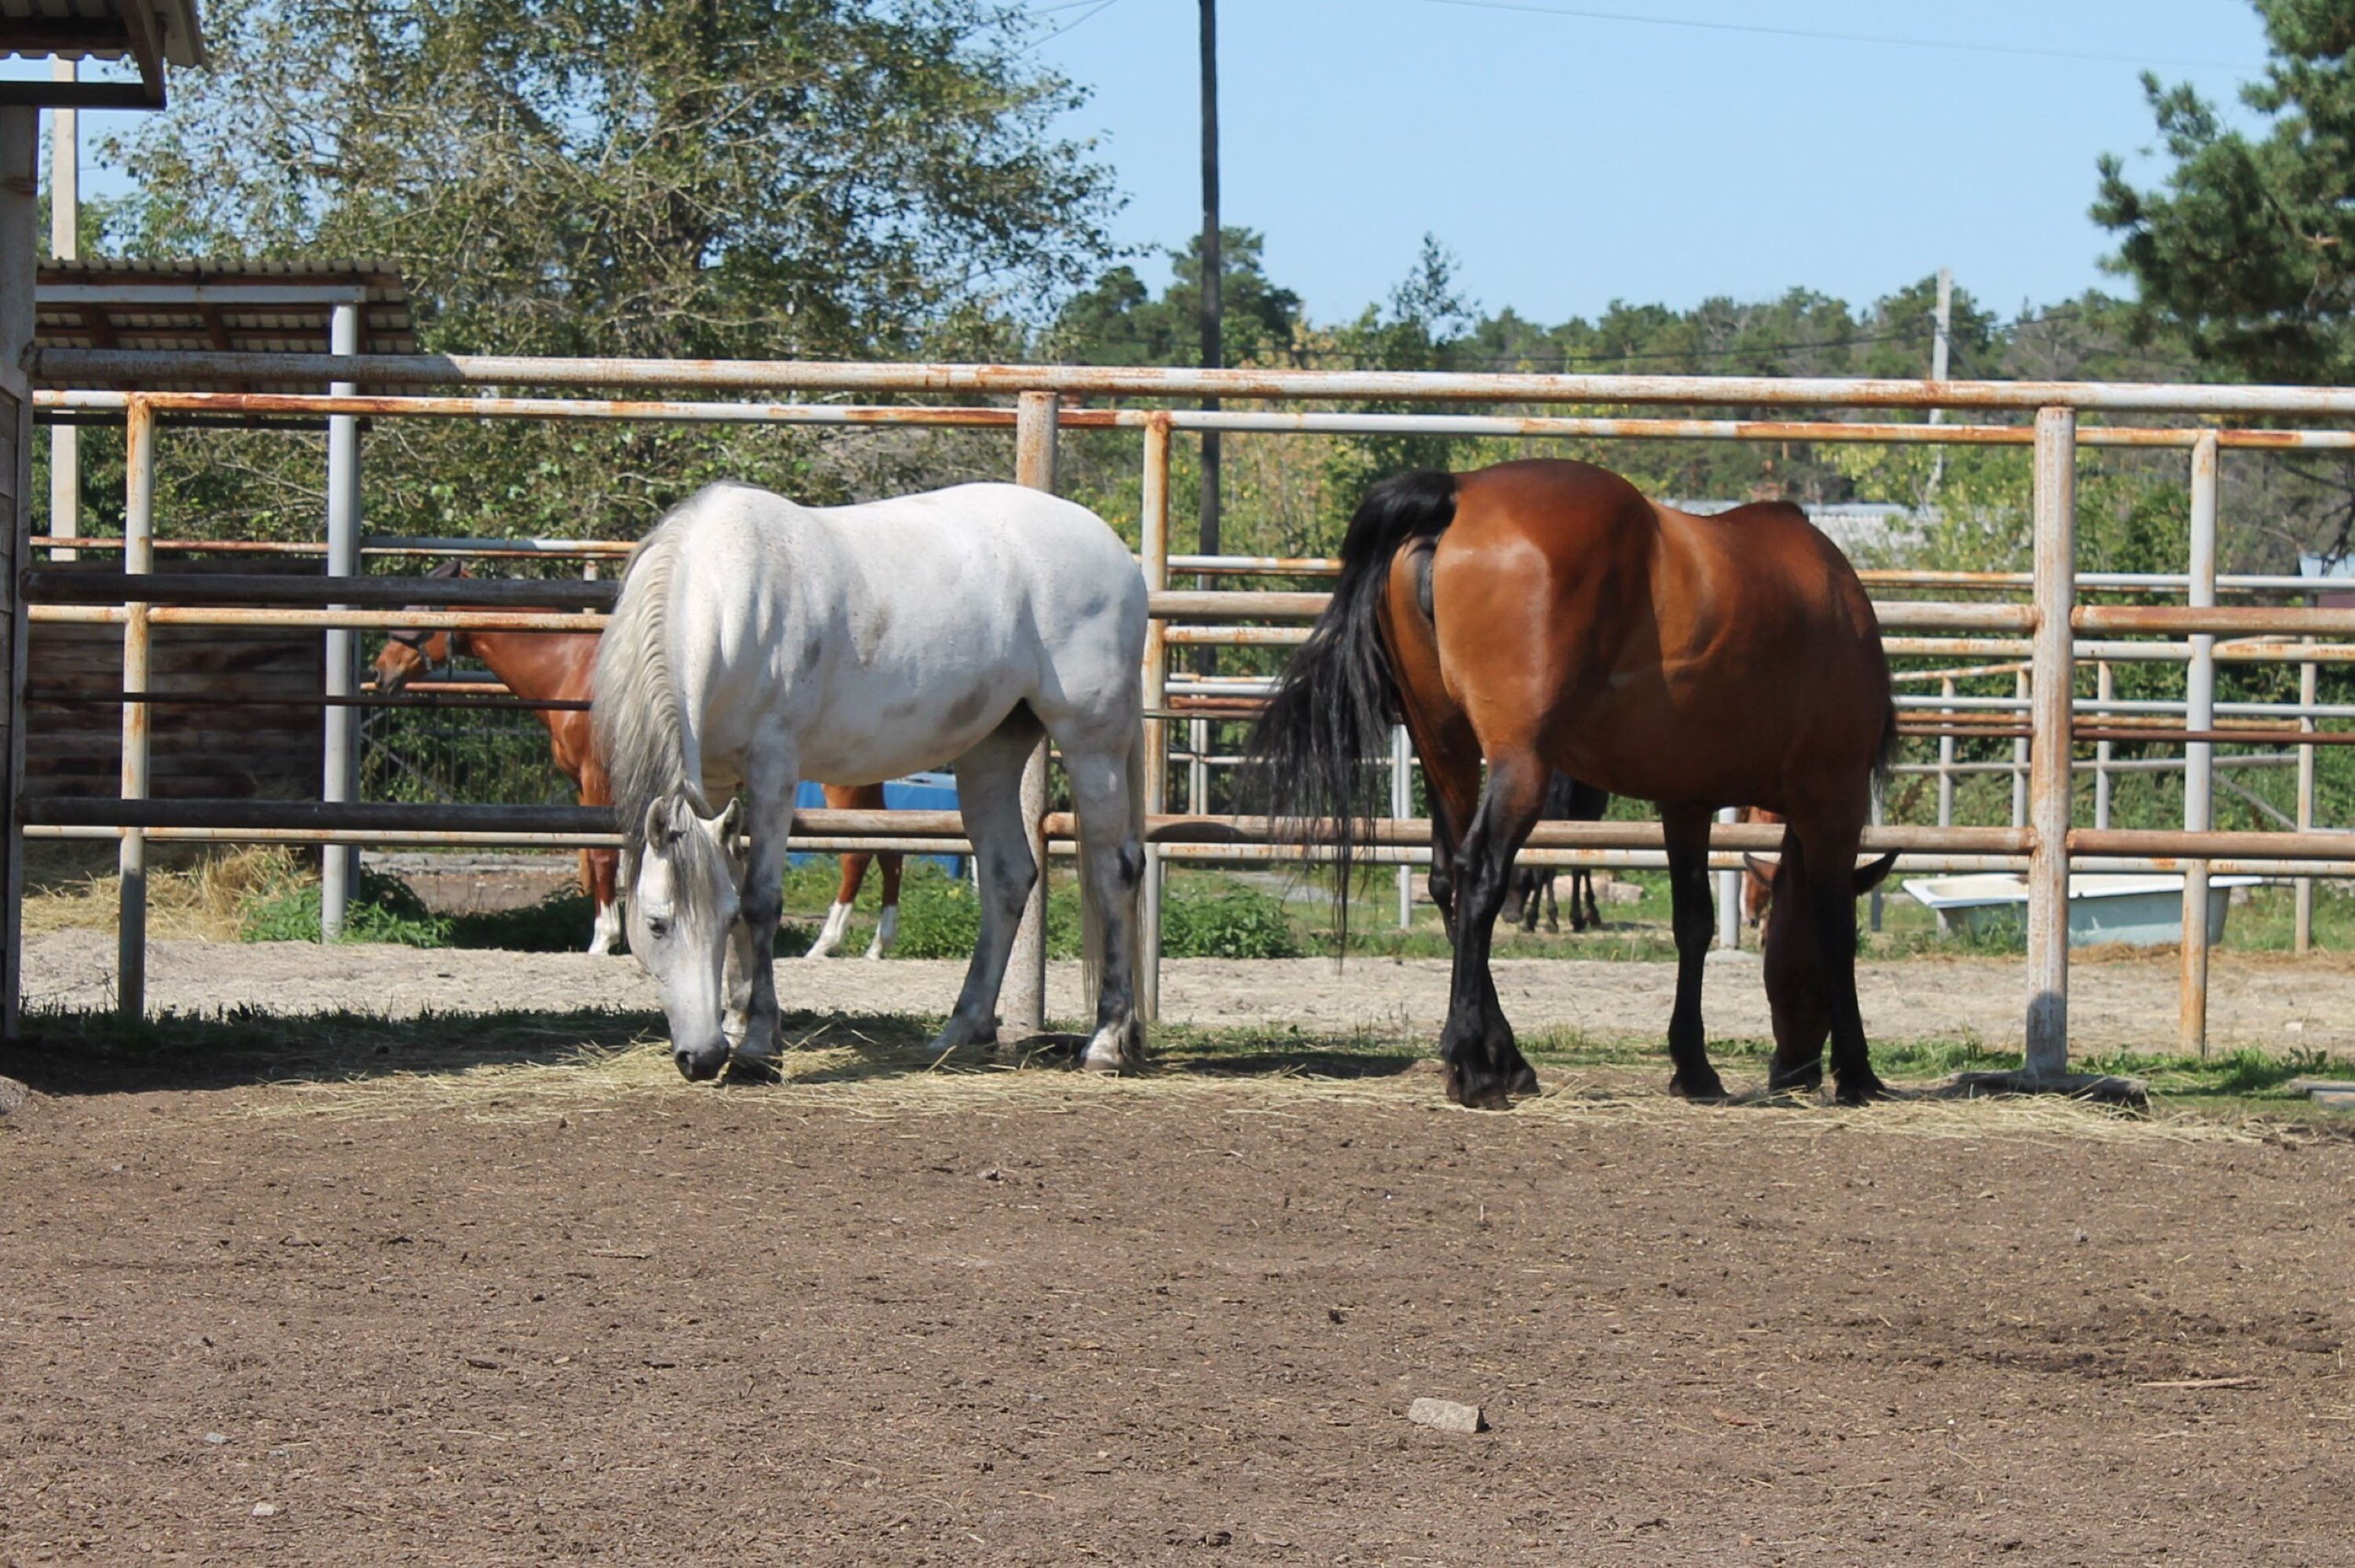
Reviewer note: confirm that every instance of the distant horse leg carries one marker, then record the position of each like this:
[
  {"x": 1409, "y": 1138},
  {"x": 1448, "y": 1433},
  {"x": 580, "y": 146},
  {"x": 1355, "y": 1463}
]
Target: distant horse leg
[
  {"x": 1553, "y": 910},
  {"x": 887, "y": 927},
  {"x": 1594, "y": 915},
  {"x": 1795, "y": 976},
  {"x": 605, "y": 937},
  {"x": 600, "y": 868},
  {"x": 1519, "y": 893},
  {"x": 1484, "y": 1067},
  {"x": 989, "y": 795},
  {"x": 1694, "y": 921},
  {"x": 838, "y": 914}
]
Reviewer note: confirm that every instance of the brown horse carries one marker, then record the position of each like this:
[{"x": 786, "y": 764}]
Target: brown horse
[
  {"x": 1543, "y": 615},
  {"x": 555, "y": 666}
]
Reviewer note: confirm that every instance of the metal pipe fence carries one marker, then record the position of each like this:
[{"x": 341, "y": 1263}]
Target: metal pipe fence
[{"x": 2049, "y": 631}]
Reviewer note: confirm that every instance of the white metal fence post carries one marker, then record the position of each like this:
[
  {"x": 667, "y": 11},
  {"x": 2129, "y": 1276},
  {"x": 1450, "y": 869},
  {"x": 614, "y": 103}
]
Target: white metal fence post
[
  {"x": 2199, "y": 755},
  {"x": 138, "y": 558},
  {"x": 1946, "y": 756},
  {"x": 2104, "y": 691},
  {"x": 1024, "y": 1002},
  {"x": 1403, "y": 805},
  {"x": 2055, "y": 507},
  {"x": 339, "y": 772},
  {"x": 2306, "y": 694},
  {"x": 1153, "y": 537},
  {"x": 2023, "y": 687},
  {"x": 1729, "y": 896}
]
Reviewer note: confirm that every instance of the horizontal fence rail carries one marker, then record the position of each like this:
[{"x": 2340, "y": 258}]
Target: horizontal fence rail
[{"x": 2037, "y": 620}]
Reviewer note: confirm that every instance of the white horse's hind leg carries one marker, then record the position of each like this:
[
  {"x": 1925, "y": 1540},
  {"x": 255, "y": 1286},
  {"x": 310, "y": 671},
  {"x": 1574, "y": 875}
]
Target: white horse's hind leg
[
  {"x": 1111, "y": 859},
  {"x": 838, "y": 916},
  {"x": 989, "y": 797}
]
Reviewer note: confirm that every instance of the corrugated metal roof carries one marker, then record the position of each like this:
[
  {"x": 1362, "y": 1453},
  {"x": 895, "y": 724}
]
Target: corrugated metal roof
[{"x": 211, "y": 305}]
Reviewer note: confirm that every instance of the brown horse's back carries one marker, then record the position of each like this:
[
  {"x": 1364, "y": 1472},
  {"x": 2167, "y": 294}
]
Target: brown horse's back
[{"x": 1727, "y": 660}]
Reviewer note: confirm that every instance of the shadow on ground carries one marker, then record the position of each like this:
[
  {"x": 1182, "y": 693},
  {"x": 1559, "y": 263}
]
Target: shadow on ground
[{"x": 65, "y": 1053}]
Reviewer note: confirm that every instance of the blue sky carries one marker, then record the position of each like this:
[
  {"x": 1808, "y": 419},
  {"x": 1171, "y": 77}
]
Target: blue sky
[{"x": 1570, "y": 160}]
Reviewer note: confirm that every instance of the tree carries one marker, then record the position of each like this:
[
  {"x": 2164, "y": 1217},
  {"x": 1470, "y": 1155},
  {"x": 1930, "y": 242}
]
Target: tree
[
  {"x": 772, "y": 177},
  {"x": 1117, "y": 321},
  {"x": 725, "y": 178},
  {"x": 2249, "y": 251}
]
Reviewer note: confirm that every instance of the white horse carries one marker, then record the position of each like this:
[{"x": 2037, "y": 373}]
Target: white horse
[{"x": 758, "y": 642}]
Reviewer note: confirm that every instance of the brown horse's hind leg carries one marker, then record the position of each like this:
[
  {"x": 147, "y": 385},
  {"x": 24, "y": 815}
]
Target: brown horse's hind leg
[
  {"x": 1483, "y": 1066},
  {"x": 1795, "y": 978},
  {"x": 1694, "y": 920}
]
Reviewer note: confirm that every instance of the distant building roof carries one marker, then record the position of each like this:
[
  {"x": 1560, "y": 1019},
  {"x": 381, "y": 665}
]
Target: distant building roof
[
  {"x": 152, "y": 32},
  {"x": 214, "y": 305}
]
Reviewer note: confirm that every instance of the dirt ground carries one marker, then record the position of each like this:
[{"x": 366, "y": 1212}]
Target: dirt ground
[
  {"x": 2123, "y": 1003},
  {"x": 885, "y": 1315}
]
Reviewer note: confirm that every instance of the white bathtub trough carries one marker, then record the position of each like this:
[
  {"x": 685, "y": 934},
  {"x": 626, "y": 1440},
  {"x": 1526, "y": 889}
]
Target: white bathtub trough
[{"x": 2141, "y": 911}]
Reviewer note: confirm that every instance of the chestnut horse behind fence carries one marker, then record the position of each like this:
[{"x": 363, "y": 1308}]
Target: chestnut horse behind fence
[
  {"x": 1543, "y": 615},
  {"x": 556, "y": 666}
]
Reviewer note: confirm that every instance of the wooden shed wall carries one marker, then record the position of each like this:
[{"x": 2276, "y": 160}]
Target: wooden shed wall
[{"x": 75, "y": 748}]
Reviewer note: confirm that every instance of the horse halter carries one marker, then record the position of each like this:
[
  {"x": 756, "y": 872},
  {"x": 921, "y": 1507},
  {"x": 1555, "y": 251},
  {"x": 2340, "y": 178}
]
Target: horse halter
[{"x": 415, "y": 638}]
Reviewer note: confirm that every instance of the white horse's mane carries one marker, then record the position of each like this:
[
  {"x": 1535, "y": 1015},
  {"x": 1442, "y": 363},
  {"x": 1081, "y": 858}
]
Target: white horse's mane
[{"x": 635, "y": 710}]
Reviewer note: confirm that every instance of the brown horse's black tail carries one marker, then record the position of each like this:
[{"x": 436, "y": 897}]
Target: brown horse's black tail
[{"x": 1312, "y": 749}]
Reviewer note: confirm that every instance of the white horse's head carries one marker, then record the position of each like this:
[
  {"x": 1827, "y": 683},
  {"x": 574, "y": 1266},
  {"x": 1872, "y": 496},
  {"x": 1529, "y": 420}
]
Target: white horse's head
[{"x": 683, "y": 906}]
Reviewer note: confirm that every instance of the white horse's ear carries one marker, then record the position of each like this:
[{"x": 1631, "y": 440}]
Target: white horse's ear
[
  {"x": 657, "y": 825},
  {"x": 725, "y": 824}
]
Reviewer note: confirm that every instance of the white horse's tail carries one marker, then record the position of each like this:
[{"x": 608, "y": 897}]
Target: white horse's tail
[
  {"x": 633, "y": 707},
  {"x": 1091, "y": 914}
]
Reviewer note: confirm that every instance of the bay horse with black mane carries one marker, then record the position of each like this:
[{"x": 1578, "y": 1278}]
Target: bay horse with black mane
[
  {"x": 556, "y": 666},
  {"x": 1543, "y": 615}
]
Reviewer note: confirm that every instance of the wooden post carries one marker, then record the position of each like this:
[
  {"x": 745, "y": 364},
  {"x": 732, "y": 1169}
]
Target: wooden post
[
  {"x": 138, "y": 557},
  {"x": 2199, "y": 755},
  {"x": 1153, "y": 530},
  {"x": 1024, "y": 1002},
  {"x": 2055, "y": 509}
]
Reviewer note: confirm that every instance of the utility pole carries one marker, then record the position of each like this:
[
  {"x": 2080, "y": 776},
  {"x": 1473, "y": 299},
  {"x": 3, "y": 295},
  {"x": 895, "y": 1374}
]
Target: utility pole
[
  {"x": 64, "y": 245},
  {"x": 1213, "y": 340},
  {"x": 1940, "y": 341}
]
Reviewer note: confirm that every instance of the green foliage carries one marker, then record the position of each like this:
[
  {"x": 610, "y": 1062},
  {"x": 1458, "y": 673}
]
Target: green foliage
[
  {"x": 382, "y": 909},
  {"x": 1206, "y": 920},
  {"x": 2249, "y": 251}
]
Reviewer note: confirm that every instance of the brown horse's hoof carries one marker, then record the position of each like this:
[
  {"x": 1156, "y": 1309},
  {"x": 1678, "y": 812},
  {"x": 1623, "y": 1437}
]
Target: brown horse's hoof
[
  {"x": 1863, "y": 1089},
  {"x": 1485, "y": 1093},
  {"x": 1797, "y": 1083},
  {"x": 1705, "y": 1091}
]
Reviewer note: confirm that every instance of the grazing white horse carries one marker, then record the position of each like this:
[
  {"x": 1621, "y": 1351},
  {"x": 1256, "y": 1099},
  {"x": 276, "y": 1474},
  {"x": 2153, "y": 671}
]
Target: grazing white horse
[{"x": 758, "y": 642}]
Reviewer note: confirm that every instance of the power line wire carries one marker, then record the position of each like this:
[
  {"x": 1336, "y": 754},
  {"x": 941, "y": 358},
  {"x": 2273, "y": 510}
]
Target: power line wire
[{"x": 1763, "y": 29}]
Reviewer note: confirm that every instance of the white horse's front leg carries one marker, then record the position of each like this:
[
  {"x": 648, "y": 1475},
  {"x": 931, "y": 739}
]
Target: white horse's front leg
[
  {"x": 605, "y": 937},
  {"x": 770, "y": 785},
  {"x": 989, "y": 797}
]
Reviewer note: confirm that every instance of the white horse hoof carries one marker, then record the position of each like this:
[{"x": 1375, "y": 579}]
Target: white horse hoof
[
  {"x": 829, "y": 937},
  {"x": 887, "y": 932},
  {"x": 958, "y": 1033},
  {"x": 1116, "y": 1048}
]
